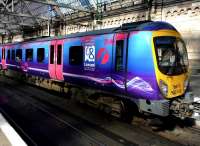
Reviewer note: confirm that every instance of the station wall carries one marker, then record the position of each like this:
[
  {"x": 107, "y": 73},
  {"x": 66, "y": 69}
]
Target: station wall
[{"x": 185, "y": 17}]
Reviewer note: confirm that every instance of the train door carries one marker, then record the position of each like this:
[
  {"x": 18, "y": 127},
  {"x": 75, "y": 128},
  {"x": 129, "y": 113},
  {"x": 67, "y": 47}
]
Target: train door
[
  {"x": 3, "y": 58},
  {"x": 119, "y": 61},
  {"x": 56, "y": 60}
]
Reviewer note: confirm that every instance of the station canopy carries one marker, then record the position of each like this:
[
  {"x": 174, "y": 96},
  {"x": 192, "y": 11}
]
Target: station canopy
[{"x": 17, "y": 15}]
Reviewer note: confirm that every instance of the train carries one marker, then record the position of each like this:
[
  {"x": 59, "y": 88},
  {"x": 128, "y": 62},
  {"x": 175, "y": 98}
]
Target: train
[{"x": 137, "y": 67}]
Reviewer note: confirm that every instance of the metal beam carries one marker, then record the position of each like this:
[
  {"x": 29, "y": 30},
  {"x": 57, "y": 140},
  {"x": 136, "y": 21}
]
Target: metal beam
[
  {"x": 30, "y": 13},
  {"x": 52, "y": 3},
  {"x": 3, "y": 28},
  {"x": 57, "y": 10},
  {"x": 28, "y": 16},
  {"x": 7, "y": 29},
  {"x": 14, "y": 23},
  {"x": 5, "y": 4}
]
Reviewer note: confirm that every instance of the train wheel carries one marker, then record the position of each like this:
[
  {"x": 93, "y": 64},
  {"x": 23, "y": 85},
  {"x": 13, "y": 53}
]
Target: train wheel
[{"x": 129, "y": 110}]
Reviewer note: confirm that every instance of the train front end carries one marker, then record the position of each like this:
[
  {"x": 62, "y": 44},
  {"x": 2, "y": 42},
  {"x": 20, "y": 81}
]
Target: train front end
[{"x": 172, "y": 72}]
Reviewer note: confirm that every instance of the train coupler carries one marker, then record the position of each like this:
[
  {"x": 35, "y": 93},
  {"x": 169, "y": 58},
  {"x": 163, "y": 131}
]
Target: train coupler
[
  {"x": 186, "y": 107},
  {"x": 196, "y": 111}
]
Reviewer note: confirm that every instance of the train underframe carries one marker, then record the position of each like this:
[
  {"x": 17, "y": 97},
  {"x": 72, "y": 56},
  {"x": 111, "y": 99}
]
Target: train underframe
[{"x": 187, "y": 106}]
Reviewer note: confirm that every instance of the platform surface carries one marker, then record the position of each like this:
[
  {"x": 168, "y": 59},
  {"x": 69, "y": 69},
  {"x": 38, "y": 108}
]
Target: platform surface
[{"x": 8, "y": 136}]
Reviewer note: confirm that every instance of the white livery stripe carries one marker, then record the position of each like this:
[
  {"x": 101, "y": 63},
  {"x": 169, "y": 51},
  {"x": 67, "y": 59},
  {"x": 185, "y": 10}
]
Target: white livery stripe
[
  {"x": 99, "y": 80},
  {"x": 65, "y": 74},
  {"x": 37, "y": 69},
  {"x": 10, "y": 133},
  {"x": 11, "y": 65},
  {"x": 81, "y": 76},
  {"x": 30, "y": 68}
]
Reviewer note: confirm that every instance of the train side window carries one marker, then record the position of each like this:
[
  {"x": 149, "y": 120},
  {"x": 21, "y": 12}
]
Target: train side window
[
  {"x": 8, "y": 54},
  {"x": 40, "y": 55},
  {"x": 52, "y": 54},
  {"x": 59, "y": 54},
  {"x": 119, "y": 56},
  {"x": 18, "y": 54},
  {"x": 13, "y": 55},
  {"x": 76, "y": 55},
  {"x": 3, "y": 53},
  {"x": 29, "y": 55}
]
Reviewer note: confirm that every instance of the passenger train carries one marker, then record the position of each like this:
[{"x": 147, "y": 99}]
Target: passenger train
[{"x": 139, "y": 66}]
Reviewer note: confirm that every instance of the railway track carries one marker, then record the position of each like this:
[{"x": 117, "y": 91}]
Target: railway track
[
  {"x": 25, "y": 136},
  {"x": 172, "y": 130},
  {"x": 47, "y": 106},
  {"x": 94, "y": 142},
  {"x": 182, "y": 131}
]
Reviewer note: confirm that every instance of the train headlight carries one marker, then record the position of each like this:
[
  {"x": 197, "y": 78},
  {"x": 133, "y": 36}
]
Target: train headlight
[
  {"x": 163, "y": 88},
  {"x": 186, "y": 84}
]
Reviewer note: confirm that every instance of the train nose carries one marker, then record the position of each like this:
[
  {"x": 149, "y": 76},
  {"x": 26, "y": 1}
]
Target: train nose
[{"x": 174, "y": 86}]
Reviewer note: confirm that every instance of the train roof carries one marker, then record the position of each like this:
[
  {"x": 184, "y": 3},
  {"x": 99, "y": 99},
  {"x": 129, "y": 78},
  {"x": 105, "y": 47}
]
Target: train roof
[{"x": 135, "y": 26}]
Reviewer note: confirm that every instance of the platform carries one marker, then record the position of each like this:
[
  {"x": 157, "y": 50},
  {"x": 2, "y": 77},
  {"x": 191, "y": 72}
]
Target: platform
[{"x": 8, "y": 136}]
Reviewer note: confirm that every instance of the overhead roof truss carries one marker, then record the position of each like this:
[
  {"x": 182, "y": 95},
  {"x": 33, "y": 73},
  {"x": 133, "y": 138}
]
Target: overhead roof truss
[{"x": 17, "y": 14}]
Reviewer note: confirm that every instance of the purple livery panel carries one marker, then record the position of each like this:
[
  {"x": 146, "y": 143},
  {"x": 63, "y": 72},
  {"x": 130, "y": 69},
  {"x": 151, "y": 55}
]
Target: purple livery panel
[
  {"x": 142, "y": 81},
  {"x": 98, "y": 66},
  {"x": 28, "y": 66},
  {"x": 95, "y": 69}
]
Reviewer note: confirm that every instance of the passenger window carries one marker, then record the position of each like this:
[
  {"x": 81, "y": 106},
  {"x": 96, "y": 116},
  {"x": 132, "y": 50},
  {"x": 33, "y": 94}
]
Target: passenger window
[
  {"x": 119, "y": 56},
  {"x": 52, "y": 54},
  {"x": 3, "y": 53},
  {"x": 40, "y": 55},
  {"x": 76, "y": 55},
  {"x": 59, "y": 54},
  {"x": 8, "y": 54},
  {"x": 29, "y": 55},
  {"x": 13, "y": 55},
  {"x": 18, "y": 54}
]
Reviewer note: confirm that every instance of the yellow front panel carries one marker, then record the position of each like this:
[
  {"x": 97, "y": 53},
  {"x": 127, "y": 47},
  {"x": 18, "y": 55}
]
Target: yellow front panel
[{"x": 175, "y": 82}]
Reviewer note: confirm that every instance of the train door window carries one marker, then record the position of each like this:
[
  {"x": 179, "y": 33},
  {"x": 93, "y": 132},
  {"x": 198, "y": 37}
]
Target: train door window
[
  {"x": 13, "y": 55},
  {"x": 3, "y": 53},
  {"x": 29, "y": 55},
  {"x": 40, "y": 55},
  {"x": 52, "y": 54},
  {"x": 119, "y": 55},
  {"x": 8, "y": 54},
  {"x": 76, "y": 55},
  {"x": 18, "y": 54},
  {"x": 59, "y": 54}
]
